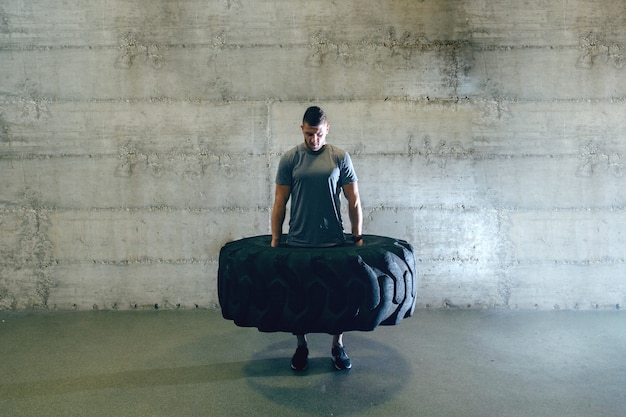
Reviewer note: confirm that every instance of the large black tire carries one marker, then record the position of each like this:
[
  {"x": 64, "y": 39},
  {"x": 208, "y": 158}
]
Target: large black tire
[{"x": 317, "y": 290}]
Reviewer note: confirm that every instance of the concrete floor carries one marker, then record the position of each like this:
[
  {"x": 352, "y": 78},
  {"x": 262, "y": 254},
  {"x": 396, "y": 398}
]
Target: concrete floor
[{"x": 194, "y": 363}]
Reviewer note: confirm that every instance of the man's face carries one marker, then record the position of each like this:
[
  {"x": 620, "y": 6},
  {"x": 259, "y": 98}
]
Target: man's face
[{"x": 315, "y": 136}]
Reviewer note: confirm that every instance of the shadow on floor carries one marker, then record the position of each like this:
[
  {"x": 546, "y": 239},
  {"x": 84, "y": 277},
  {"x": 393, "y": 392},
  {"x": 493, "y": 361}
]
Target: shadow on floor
[{"x": 379, "y": 373}]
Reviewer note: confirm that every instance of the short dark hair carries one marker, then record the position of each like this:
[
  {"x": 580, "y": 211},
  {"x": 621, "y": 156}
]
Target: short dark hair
[{"x": 314, "y": 116}]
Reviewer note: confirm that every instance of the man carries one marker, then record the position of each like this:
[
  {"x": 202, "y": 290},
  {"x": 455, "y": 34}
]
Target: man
[{"x": 314, "y": 174}]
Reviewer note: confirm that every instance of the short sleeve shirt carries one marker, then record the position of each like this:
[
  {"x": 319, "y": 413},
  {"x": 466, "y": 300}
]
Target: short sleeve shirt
[{"x": 316, "y": 180}]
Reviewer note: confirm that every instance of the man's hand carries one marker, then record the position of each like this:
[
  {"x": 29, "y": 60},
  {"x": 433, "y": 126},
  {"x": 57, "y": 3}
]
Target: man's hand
[{"x": 275, "y": 243}]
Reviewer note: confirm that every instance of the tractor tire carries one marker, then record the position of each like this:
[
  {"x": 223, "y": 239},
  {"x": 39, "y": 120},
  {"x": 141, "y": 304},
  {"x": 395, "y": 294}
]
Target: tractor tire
[{"x": 317, "y": 290}]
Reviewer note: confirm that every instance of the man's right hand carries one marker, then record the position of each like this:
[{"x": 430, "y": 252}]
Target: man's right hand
[{"x": 275, "y": 243}]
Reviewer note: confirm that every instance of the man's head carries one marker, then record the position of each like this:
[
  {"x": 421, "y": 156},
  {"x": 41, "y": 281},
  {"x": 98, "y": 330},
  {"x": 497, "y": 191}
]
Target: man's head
[{"x": 315, "y": 127}]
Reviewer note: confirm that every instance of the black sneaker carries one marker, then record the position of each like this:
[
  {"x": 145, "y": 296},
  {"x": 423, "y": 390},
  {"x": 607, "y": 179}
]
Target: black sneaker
[
  {"x": 340, "y": 358},
  {"x": 300, "y": 359}
]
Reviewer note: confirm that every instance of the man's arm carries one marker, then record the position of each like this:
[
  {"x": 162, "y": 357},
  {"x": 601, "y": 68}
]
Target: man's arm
[
  {"x": 351, "y": 191},
  {"x": 281, "y": 196}
]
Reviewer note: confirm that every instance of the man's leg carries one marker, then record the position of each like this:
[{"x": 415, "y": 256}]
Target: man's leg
[
  {"x": 340, "y": 358},
  {"x": 300, "y": 359}
]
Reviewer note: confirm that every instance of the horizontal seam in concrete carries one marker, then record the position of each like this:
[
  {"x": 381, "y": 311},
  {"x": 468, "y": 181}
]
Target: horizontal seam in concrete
[
  {"x": 469, "y": 100},
  {"x": 14, "y": 207},
  {"x": 315, "y": 44},
  {"x": 138, "y": 261}
]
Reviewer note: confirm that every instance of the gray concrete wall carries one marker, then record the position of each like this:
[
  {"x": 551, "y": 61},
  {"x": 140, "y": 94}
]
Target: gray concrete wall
[{"x": 137, "y": 137}]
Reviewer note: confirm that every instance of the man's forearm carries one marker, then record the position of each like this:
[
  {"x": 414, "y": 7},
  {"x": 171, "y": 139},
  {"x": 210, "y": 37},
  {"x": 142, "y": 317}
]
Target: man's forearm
[
  {"x": 279, "y": 211},
  {"x": 278, "y": 218},
  {"x": 356, "y": 218}
]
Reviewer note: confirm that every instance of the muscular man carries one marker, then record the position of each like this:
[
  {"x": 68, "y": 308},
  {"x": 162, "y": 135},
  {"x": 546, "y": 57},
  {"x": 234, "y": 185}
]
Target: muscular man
[{"x": 314, "y": 174}]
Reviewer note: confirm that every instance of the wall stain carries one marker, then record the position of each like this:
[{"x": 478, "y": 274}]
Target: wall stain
[
  {"x": 390, "y": 51},
  {"x": 4, "y": 21},
  {"x": 596, "y": 49},
  {"x": 595, "y": 160},
  {"x": 130, "y": 158},
  {"x": 32, "y": 254},
  {"x": 444, "y": 151},
  {"x": 232, "y": 4},
  {"x": 133, "y": 47},
  {"x": 135, "y": 161},
  {"x": 222, "y": 85},
  {"x": 4, "y": 130}
]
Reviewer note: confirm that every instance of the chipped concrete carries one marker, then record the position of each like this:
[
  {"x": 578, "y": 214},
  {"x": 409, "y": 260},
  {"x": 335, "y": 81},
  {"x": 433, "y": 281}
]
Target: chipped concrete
[
  {"x": 27, "y": 262},
  {"x": 136, "y": 139}
]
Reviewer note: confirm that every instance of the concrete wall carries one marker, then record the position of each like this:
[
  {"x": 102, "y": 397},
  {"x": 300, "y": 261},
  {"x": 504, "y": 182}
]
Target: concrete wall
[{"x": 138, "y": 136}]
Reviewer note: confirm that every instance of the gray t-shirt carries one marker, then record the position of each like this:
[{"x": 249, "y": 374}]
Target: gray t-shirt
[{"x": 316, "y": 180}]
